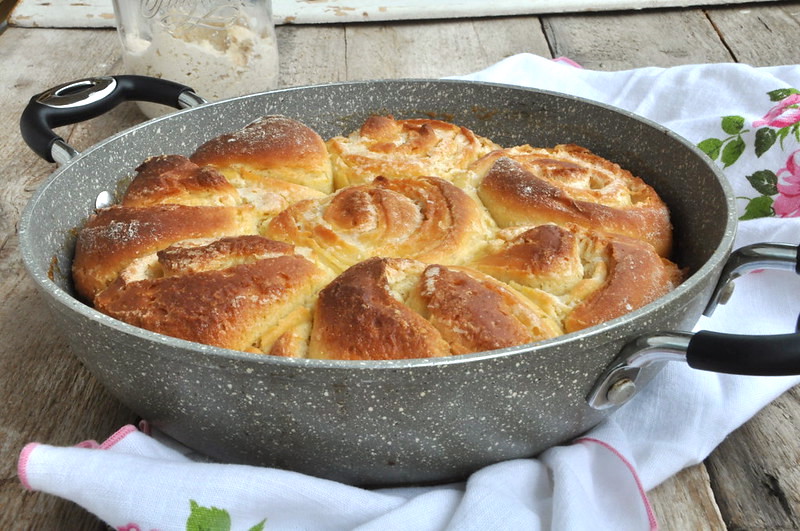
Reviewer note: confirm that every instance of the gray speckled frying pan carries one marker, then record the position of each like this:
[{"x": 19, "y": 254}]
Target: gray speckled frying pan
[{"x": 391, "y": 422}]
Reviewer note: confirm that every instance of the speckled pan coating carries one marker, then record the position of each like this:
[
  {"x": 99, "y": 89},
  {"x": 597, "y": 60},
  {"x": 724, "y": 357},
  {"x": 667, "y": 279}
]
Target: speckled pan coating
[{"x": 377, "y": 423}]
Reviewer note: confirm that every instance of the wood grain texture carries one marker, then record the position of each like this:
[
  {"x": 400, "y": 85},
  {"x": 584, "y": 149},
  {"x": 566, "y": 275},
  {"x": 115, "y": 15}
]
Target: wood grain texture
[
  {"x": 99, "y": 13},
  {"x": 686, "y": 501},
  {"x": 648, "y": 38},
  {"x": 759, "y": 35},
  {"x": 438, "y": 49},
  {"x": 311, "y": 54},
  {"x": 756, "y": 470},
  {"x": 47, "y": 395}
]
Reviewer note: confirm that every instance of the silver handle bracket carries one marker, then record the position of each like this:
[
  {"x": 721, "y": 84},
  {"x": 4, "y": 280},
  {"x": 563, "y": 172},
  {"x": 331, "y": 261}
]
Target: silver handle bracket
[{"x": 618, "y": 384}]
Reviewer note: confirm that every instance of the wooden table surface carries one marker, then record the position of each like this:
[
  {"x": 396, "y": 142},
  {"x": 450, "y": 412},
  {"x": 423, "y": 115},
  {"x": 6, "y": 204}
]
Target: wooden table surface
[{"x": 752, "y": 481}]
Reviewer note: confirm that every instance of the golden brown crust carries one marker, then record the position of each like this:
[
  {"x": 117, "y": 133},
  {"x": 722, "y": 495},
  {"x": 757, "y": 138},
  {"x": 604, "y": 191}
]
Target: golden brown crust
[
  {"x": 544, "y": 255},
  {"x": 578, "y": 277},
  {"x": 474, "y": 312},
  {"x": 427, "y": 219},
  {"x": 357, "y": 318},
  {"x": 183, "y": 258},
  {"x": 391, "y": 308},
  {"x": 232, "y": 247},
  {"x": 569, "y": 184},
  {"x": 636, "y": 277},
  {"x": 274, "y": 147},
  {"x": 114, "y": 237},
  {"x": 174, "y": 179},
  {"x": 398, "y": 149},
  {"x": 230, "y": 307}
]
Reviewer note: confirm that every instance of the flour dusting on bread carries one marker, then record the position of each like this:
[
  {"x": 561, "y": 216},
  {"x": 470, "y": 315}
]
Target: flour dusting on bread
[{"x": 406, "y": 238}]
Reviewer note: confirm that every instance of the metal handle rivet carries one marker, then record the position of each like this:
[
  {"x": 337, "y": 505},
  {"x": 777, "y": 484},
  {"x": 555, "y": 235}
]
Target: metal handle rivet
[
  {"x": 621, "y": 391},
  {"x": 727, "y": 293}
]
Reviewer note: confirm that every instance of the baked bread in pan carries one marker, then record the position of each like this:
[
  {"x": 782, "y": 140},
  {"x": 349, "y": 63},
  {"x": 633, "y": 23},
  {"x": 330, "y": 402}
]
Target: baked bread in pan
[
  {"x": 387, "y": 308},
  {"x": 406, "y": 239},
  {"x": 230, "y": 291},
  {"x": 425, "y": 218},
  {"x": 275, "y": 148},
  {"x": 569, "y": 184},
  {"x": 402, "y": 149}
]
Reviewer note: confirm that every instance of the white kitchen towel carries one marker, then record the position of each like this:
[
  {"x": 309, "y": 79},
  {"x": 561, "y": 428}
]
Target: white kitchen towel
[{"x": 748, "y": 120}]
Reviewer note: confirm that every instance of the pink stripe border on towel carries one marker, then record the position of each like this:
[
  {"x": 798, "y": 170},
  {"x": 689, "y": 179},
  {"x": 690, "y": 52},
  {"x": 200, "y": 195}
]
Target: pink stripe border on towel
[
  {"x": 648, "y": 508},
  {"x": 566, "y": 61},
  {"x": 22, "y": 464},
  {"x": 117, "y": 436},
  {"x": 25, "y": 454}
]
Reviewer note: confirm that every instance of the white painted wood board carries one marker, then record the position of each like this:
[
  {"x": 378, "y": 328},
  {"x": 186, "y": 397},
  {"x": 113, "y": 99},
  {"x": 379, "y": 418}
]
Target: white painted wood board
[{"x": 99, "y": 13}]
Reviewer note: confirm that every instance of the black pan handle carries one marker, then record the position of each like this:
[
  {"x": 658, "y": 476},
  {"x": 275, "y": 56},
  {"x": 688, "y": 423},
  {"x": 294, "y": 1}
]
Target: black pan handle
[
  {"x": 769, "y": 355},
  {"x": 776, "y": 355},
  {"x": 81, "y": 100}
]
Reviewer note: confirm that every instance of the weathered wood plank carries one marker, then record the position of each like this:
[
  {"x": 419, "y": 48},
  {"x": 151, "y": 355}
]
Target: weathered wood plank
[
  {"x": 72, "y": 403},
  {"x": 649, "y": 38},
  {"x": 438, "y": 49},
  {"x": 760, "y": 35},
  {"x": 685, "y": 501},
  {"x": 47, "y": 395},
  {"x": 99, "y": 13},
  {"x": 311, "y": 54},
  {"x": 755, "y": 472}
]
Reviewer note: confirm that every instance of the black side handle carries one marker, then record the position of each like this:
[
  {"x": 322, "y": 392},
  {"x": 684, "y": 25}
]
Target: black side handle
[
  {"x": 81, "y": 100},
  {"x": 797, "y": 259},
  {"x": 773, "y": 355}
]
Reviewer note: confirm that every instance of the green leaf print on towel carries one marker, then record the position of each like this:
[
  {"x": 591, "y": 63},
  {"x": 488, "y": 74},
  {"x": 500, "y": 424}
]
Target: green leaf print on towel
[
  {"x": 212, "y": 519},
  {"x": 731, "y": 147},
  {"x": 778, "y": 188}
]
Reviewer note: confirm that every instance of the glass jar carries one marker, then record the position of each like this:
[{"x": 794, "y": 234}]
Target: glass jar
[{"x": 221, "y": 48}]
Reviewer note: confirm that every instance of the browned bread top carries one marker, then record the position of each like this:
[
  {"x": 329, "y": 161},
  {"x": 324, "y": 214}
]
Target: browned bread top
[
  {"x": 360, "y": 315},
  {"x": 569, "y": 184},
  {"x": 579, "y": 277},
  {"x": 393, "y": 308},
  {"x": 114, "y": 237},
  {"x": 424, "y": 218},
  {"x": 405, "y": 148},
  {"x": 273, "y": 146},
  {"x": 636, "y": 277},
  {"x": 247, "y": 283},
  {"x": 434, "y": 242},
  {"x": 174, "y": 179},
  {"x": 474, "y": 312}
]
